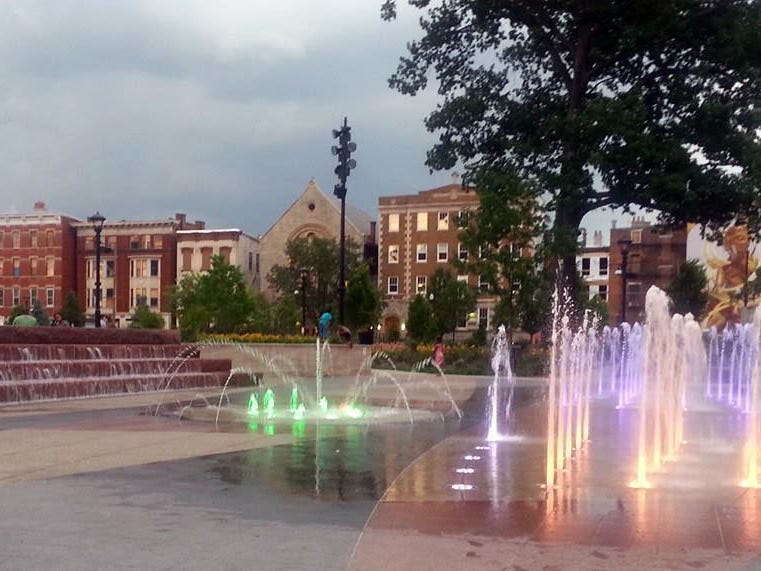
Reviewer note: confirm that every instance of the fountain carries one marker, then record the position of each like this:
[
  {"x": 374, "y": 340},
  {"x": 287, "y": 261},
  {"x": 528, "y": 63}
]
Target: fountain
[{"x": 500, "y": 364}]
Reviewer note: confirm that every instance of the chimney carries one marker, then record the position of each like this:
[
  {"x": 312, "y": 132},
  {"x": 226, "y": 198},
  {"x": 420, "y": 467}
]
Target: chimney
[
  {"x": 583, "y": 241},
  {"x": 39, "y": 206},
  {"x": 597, "y": 238},
  {"x": 180, "y": 217},
  {"x": 200, "y": 224},
  {"x": 373, "y": 226},
  {"x": 456, "y": 178},
  {"x": 613, "y": 224}
]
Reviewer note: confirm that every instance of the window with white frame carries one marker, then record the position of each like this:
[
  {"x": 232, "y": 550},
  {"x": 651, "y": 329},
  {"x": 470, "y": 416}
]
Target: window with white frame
[
  {"x": 393, "y": 254},
  {"x": 483, "y": 283},
  {"x": 602, "y": 291},
  {"x": 16, "y": 296},
  {"x": 443, "y": 223},
  {"x": 585, "y": 265},
  {"x": 421, "y": 284},
  {"x": 442, "y": 252},
  {"x": 2, "y": 297},
  {"x": 153, "y": 298},
  {"x": 154, "y": 268},
  {"x": 393, "y": 223},
  {"x": 462, "y": 252},
  {"x": 50, "y": 266},
  {"x": 33, "y": 295},
  {"x": 483, "y": 318},
  {"x": 603, "y": 266},
  {"x": 393, "y": 285},
  {"x": 462, "y": 278},
  {"x": 422, "y": 252},
  {"x": 422, "y": 221},
  {"x": 50, "y": 296}
]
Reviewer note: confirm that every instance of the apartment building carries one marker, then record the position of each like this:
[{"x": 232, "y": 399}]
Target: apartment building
[
  {"x": 653, "y": 258},
  {"x": 195, "y": 249},
  {"x": 37, "y": 259},
  {"x": 418, "y": 234},
  {"x": 593, "y": 263},
  {"x": 138, "y": 264}
]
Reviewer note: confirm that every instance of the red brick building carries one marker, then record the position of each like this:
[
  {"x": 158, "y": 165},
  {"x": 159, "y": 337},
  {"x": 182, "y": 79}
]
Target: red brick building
[
  {"x": 37, "y": 259},
  {"x": 654, "y": 259},
  {"x": 138, "y": 263}
]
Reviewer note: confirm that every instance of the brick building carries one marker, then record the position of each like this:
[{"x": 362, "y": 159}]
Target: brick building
[
  {"x": 654, "y": 259},
  {"x": 138, "y": 263},
  {"x": 592, "y": 261},
  {"x": 37, "y": 259},
  {"x": 418, "y": 234},
  {"x": 196, "y": 247}
]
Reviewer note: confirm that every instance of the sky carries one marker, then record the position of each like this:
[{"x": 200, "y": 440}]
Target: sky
[{"x": 222, "y": 110}]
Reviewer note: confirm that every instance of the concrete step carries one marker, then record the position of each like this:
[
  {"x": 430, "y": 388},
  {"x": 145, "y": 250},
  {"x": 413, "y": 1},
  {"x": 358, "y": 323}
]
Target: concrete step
[{"x": 23, "y": 352}]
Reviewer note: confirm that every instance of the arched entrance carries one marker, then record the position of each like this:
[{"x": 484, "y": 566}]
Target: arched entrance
[{"x": 392, "y": 328}]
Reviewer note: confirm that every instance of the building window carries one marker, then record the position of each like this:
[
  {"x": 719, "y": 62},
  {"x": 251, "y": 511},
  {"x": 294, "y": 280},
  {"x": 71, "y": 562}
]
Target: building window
[
  {"x": 393, "y": 223},
  {"x": 206, "y": 259},
  {"x": 33, "y": 294},
  {"x": 111, "y": 242},
  {"x": 603, "y": 266},
  {"x": 16, "y": 267},
  {"x": 2, "y": 268},
  {"x": 50, "y": 237},
  {"x": 585, "y": 263},
  {"x": 90, "y": 268},
  {"x": 50, "y": 266},
  {"x": 257, "y": 263},
  {"x": 153, "y": 300},
  {"x": 483, "y": 318},
  {"x": 154, "y": 268},
  {"x": 225, "y": 252},
  {"x": 483, "y": 283},
  {"x": 158, "y": 242},
  {"x": 462, "y": 252},
  {"x": 442, "y": 252},
  {"x": 33, "y": 266},
  {"x": 187, "y": 257},
  {"x": 33, "y": 238},
  {"x": 422, "y": 221},
  {"x": 393, "y": 254},
  {"x": 109, "y": 298},
  {"x": 462, "y": 278},
  {"x": 110, "y": 268},
  {"x": 443, "y": 221},
  {"x": 636, "y": 236},
  {"x": 16, "y": 296},
  {"x": 463, "y": 218},
  {"x": 50, "y": 294},
  {"x": 250, "y": 261},
  {"x": 134, "y": 242},
  {"x": 421, "y": 284},
  {"x": 602, "y": 291},
  {"x": 422, "y": 252},
  {"x": 393, "y": 285},
  {"x": 2, "y": 297},
  {"x": 16, "y": 239},
  {"x": 147, "y": 242},
  {"x": 137, "y": 268},
  {"x": 138, "y": 296}
]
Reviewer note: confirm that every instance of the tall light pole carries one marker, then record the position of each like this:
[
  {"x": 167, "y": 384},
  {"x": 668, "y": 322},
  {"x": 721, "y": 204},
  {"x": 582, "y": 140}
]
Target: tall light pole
[
  {"x": 345, "y": 165},
  {"x": 97, "y": 221},
  {"x": 304, "y": 273},
  {"x": 625, "y": 244}
]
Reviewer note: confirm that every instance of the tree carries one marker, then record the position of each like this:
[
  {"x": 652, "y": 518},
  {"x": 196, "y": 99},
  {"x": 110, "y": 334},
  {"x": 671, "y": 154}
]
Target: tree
[
  {"x": 451, "y": 302},
  {"x": 286, "y": 315},
  {"x": 39, "y": 313},
  {"x": 17, "y": 310},
  {"x": 421, "y": 326},
  {"x": 689, "y": 289},
  {"x": 596, "y": 104},
  {"x": 363, "y": 301},
  {"x": 598, "y": 308},
  {"x": 215, "y": 302},
  {"x": 144, "y": 318},
  {"x": 72, "y": 311},
  {"x": 319, "y": 257}
]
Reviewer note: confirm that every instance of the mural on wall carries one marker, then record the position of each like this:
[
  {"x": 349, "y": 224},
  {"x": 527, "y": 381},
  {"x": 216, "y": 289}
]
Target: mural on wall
[{"x": 729, "y": 266}]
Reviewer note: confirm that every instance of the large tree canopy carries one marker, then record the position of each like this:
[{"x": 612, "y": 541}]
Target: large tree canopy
[{"x": 614, "y": 103}]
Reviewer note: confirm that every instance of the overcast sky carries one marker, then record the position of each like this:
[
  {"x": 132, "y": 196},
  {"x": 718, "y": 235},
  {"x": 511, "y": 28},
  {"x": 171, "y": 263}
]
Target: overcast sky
[{"x": 222, "y": 110}]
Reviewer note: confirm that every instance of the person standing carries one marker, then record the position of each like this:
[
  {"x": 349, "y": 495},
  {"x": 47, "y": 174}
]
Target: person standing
[
  {"x": 438, "y": 353},
  {"x": 324, "y": 323}
]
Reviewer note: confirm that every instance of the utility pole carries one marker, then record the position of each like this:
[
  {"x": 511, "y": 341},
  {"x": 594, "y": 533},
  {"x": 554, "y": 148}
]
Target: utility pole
[
  {"x": 345, "y": 165},
  {"x": 625, "y": 244}
]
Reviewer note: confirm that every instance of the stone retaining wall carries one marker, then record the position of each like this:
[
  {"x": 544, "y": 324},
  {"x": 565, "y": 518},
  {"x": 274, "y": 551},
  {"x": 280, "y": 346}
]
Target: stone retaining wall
[{"x": 87, "y": 336}]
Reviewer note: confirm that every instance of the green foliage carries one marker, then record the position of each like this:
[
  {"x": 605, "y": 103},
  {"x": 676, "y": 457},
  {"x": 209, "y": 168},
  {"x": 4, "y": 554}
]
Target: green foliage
[
  {"x": 421, "y": 326},
  {"x": 215, "y": 302},
  {"x": 598, "y": 308},
  {"x": 596, "y": 104},
  {"x": 144, "y": 318},
  {"x": 689, "y": 289},
  {"x": 72, "y": 311},
  {"x": 362, "y": 301},
  {"x": 286, "y": 313},
  {"x": 320, "y": 258},
  {"x": 452, "y": 301},
  {"x": 39, "y": 313}
]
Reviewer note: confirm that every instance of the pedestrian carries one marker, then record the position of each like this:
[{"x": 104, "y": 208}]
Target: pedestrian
[
  {"x": 438, "y": 353},
  {"x": 325, "y": 320}
]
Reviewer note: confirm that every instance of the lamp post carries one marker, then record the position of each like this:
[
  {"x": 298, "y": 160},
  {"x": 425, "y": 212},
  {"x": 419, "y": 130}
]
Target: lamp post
[
  {"x": 345, "y": 165},
  {"x": 97, "y": 221},
  {"x": 304, "y": 272},
  {"x": 625, "y": 244}
]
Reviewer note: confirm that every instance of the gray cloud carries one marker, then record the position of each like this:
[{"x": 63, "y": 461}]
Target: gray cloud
[{"x": 222, "y": 109}]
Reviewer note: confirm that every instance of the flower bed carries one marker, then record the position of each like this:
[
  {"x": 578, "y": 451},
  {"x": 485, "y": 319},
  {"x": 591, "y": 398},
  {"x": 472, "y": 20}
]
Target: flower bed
[{"x": 258, "y": 338}]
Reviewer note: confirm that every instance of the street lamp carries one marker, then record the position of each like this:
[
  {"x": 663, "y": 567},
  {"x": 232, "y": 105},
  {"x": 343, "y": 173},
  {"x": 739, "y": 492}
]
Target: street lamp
[
  {"x": 625, "y": 245},
  {"x": 345, "y": 166},
  {"x": 97, "y": 221},
  {"x": 304, "y": 273}
]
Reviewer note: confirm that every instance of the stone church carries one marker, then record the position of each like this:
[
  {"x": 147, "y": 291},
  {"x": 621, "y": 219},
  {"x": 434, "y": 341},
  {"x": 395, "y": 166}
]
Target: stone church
[{"x": 316, "y": 214}]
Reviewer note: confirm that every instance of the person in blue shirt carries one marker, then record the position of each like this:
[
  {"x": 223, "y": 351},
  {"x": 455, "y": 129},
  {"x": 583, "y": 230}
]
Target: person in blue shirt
[{"x": 324, "y": 324}]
